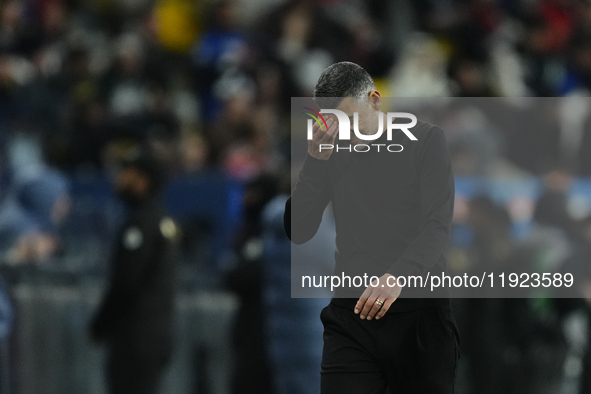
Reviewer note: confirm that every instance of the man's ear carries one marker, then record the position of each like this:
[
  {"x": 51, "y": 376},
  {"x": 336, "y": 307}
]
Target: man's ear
[{"x": 375, "y": 100}]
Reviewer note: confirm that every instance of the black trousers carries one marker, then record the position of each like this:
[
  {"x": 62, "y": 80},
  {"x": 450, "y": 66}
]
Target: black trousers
[
  {"x": 405, "y": 352},
  {"x": 130, "y": 371}
]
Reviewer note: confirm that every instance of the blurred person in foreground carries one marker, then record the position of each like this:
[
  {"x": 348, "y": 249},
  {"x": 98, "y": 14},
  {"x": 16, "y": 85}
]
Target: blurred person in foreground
[
  {"x": 294, "y": 332},
  {"x": 135, "y": 319},
  {"x": 393, "y": 214},
  {"x": 245, "y": 279},
  {"x": 504, "y": 337}
]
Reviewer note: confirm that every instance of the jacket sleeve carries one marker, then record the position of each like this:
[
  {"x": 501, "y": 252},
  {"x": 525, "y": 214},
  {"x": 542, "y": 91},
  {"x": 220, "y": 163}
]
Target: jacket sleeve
[
  {"x": 437, "y": 192},
  {"x": 308, "y": 200},
  {"x": 131, "y": 265}
]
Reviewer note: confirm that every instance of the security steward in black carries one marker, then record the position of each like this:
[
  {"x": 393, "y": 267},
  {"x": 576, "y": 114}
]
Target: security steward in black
[{"x": 135, "y": 319}]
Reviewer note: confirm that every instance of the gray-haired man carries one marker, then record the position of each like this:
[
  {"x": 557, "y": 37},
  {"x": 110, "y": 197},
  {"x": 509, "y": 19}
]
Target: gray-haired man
[{"x": 393, "y": 213}]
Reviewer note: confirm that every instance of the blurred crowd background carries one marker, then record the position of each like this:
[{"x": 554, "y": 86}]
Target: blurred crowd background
[{"x": 206, "y": 84}]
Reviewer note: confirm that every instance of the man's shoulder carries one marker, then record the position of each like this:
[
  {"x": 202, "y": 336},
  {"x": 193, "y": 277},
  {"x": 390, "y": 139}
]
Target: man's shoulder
[
  {"x": 429, "y": 137},
  {"x": 424, "y": 130}
]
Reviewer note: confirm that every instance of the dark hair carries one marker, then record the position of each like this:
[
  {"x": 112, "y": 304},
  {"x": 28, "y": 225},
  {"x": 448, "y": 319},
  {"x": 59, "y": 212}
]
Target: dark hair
[{"x": 343, "y": 79}]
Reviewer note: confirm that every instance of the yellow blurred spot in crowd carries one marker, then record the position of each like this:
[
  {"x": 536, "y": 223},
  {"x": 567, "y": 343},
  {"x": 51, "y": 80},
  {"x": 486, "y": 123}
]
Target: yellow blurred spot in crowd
[{"x": 177, "y": 25}]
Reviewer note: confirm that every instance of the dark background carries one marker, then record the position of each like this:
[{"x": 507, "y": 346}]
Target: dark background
[{"x": 207, "y": 84}]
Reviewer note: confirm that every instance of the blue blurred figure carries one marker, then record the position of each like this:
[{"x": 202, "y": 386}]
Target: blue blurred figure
[
  {"x": 33, "y": 205},
  {"x": 6, "y": 324},
  {"x": 293, "y": 326}
]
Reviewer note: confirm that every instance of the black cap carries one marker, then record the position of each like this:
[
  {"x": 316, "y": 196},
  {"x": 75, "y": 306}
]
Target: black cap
[{"x": 147, "y": 163}]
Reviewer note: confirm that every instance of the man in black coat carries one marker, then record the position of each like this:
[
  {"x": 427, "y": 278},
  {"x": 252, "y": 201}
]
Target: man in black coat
[
  {"x": 393, "y": 212},
  {"x": 135, "y": 319}
]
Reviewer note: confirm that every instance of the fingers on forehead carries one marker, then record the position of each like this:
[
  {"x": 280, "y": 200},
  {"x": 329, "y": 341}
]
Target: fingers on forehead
[{"x": 330, "y": 118}]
